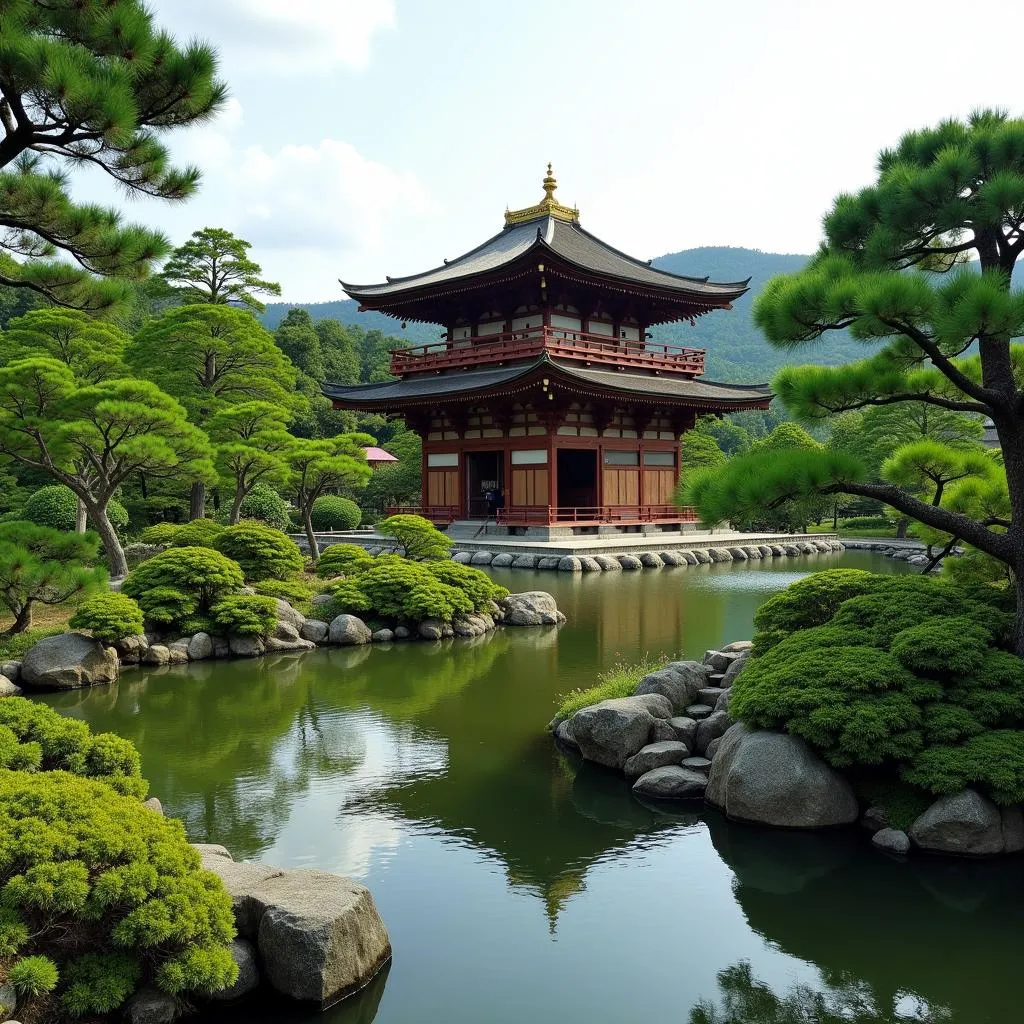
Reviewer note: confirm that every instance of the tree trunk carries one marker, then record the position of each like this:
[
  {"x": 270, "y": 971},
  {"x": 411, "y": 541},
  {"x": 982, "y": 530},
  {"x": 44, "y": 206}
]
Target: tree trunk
[
  {"x": 236, "y": 506},
  {"x": 117, "y": 564},
  {"x": 197, "y": 501},
  {"x": 901, "y": 528},
  {"x": 314, "y": 548},
  {"x": 22, "y": 621},
  {"x": 81, "y": 517}
]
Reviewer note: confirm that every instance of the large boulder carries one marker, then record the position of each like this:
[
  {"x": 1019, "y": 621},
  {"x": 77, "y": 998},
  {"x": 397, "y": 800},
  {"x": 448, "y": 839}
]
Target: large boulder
[
  {"x": 548, "y": 561},
  {"x": 589, "y": 564},
  {"x": 156, "y": 654},
  {"x": 570, "y": 563},
  {"x": 502, "y": 560},
  {"x": 649, "y": 560},
  {"x": 286, "y": 613},
  {"x": 314, "y": 630},
  {"x": 524, "y": 562},
  {"x": 200, "y": 647},
  {"x": 607, "y": 563},
  {"x": 532, "y": 608},
  {"x": 348, "y": 630},
  {"x": 8, "y": 689},
  {"x": 151, "y": 1006},
  {"x": 245, "y": 646},
  {"x": 965, "y": 823},
  {"x": 482, "y": 558},
  {"x": 680, "y": 681},
  {"x": 711, "y": 728},
  {"x": 655, "y": 755},
  {"x": 702, "y": 556},
  {"x": 630, "y": 562},
  {"x": 612, "y": 731},
  {"x": 719, "y": 555},
  {"x": 775, "y": 779},
  {"x": 68, "y": 661},
  {"x": 130, "y": 649},
  {"x": 672, "y": 782}
]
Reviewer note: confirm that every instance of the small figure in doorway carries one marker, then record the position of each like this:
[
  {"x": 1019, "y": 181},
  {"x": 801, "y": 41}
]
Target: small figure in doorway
[{"x": 491, "y": 502}]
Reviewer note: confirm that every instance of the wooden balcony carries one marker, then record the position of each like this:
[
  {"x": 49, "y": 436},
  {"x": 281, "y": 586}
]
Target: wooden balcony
[{"x": 557, "y": 342}]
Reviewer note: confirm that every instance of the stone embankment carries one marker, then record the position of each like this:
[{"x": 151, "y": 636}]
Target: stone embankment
[
  {"x": 675, "y": 740},
  {"x": 72, "y": 660},
  {"x": 642, "y": 559},
  {"x": 910, "y": 552}
]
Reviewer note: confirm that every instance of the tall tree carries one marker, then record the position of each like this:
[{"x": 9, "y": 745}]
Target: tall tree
[
  {"x": 93, "y": 438},
  {"x": 210, "y": 357},
  {"x": 890, "y": 272},
  {"x": 341, "y": 356},
  {"x": 213, "y": 266},
  {"x": 91, "y": 83}
]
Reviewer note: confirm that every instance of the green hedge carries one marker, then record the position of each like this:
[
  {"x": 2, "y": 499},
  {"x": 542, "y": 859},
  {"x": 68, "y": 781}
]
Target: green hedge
[
  {"x": 343, "y": 560},
  {"x": 265, "y": 505},
  {"x": 109, "y": 617},
  {"x": 263, "y": 552},
  {"x": 332, "y": 512},
  {"x": 56, "y": 506}
]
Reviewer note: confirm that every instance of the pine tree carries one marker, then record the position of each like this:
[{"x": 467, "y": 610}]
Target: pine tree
[{"x": 94, "y": 82}]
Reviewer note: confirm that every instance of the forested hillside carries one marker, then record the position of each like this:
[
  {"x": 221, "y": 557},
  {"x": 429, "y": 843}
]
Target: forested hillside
[{"x": 736, "y": 349}]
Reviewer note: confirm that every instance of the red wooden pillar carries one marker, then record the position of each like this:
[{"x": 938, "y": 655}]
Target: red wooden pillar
[{"x": 552, "y": 474}]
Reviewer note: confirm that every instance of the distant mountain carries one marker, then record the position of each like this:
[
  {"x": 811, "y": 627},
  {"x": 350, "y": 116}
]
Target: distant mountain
[{"x": 737, "y": 351}]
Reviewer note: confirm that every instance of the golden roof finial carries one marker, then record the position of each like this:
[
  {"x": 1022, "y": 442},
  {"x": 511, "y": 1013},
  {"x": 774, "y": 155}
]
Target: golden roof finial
[{"x": 547, "y": 207}]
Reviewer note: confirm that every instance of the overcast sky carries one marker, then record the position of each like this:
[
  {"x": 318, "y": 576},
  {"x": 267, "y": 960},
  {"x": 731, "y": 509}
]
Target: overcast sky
[{"x": 374, "y": 137}]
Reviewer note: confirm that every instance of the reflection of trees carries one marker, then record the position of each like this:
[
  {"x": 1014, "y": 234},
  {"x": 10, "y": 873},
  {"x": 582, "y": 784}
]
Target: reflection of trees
[{"x": 745, "y": 1000}]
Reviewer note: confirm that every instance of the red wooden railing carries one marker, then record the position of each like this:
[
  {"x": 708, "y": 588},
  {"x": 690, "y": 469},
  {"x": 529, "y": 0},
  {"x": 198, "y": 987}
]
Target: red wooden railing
[
  {"x": 558, "y": 342},
  {"x": 590, "y": 515}
]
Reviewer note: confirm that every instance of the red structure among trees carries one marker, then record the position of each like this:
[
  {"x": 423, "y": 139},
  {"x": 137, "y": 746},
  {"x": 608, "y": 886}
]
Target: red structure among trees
[{"x": 544, "y": 387}]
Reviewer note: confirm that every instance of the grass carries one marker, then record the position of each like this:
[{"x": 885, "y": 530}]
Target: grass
[
  {"x": 15, "y": 646},
  {"x": 619, "y": 681}
]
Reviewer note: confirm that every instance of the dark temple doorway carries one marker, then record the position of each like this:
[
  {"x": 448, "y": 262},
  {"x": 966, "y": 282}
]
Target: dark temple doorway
[
  {"x": 577, "y": 478},
  {"x": 485, "y": 473}
]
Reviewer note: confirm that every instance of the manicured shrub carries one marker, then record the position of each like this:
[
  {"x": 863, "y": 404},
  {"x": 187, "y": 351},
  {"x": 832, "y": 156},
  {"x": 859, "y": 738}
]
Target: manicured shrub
[
  {"x": 109, "y": 617},
  {"x": 417, "y": 537},
  {"x": 245, "y": 614},
  {"x": 56, "y": 506},
  {"x": 159, "y": 533},
  {"x": 199, "y": 533},
  {"x": 995, "y": 692},
  {"x": 346, "y": 598},
  {"x": 813, "y": 600},
  {"x": 332, "y": 512},
  {"x": 182, "y": 582},
  {"x": 105, "y": 892},
  {"x": 868, "y": 523},
  {"x": 34, "y": 737},
  {"x": 949, "y": 723},
  {"x": 266, "y": 506},
  {"x": 343, "y": 560},
  {"x": 407, "y": 591},
  {"x": 942, "y": 647},
  {"x": 295, "y": 592},
  {"x": 992, "y": 762},
  {"x": 475, "y": 584},
  {"x": 263, "y": 552}
]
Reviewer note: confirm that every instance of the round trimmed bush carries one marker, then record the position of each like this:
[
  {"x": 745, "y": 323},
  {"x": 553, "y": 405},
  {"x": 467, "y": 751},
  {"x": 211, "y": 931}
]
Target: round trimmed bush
[
  {"x": 106, "y": 893},
  {"x": 245, "y": 615},
  {"x": 263, "y": 552},
  {"x": 475, "y": 584},
  {"x": 198, "y": 533},
  {"x": 56, "y": 506},
  {"x": 942, "y": 647},
  {"x": 160, "y": 533},
  {"x": 332, "y": 512},
  {"x": 409, "y": 592},
  {"x": 295, "y": 592},
  {"x": 346, "y": 599},
  {"x": 262, "y": 504},
  {"x": 813, "y": 600},
  {"x": 343, "y": 560},
  {"x": 109, "y": 617},
  {"x": 992, "y": 762}
]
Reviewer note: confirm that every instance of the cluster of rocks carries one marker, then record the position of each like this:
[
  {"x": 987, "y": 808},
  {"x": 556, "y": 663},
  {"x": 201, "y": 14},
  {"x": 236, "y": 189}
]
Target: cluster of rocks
[
  {"x": 912, "y": 554},
  {"x": 309, "y": 935},
  {"x": 674, "y": 738},
  {"x": 645, "y": 559},
  {"x": 72, "y": 660}
]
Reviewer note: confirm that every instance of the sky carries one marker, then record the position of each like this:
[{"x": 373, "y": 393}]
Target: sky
[{"x": 366, "y": 138}]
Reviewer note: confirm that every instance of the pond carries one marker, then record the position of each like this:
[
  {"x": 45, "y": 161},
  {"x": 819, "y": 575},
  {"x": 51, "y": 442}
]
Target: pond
[{"x": 520, "y": 885}]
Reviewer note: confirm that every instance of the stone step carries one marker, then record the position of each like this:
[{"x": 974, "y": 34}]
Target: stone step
[
  {"x": 699, "y": 711},
  {"x": 710, "y": 694},
  {"x": 698, "y": 764}
]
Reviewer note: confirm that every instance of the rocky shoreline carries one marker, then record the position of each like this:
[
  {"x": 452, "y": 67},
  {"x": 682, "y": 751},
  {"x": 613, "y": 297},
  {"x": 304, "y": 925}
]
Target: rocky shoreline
[
  {"x": 71, "y": 660},
  {"x": 674, "y": 739}
]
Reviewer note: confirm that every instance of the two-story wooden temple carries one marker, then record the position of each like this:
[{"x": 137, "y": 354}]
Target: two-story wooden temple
[{"x": 545, "y": 388}]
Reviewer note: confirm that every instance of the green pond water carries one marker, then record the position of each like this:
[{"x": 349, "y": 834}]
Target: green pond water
[{"x": 519, "y": 885}]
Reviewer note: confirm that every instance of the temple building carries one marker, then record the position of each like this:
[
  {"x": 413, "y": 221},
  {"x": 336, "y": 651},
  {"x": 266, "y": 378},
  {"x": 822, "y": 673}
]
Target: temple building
[{"x": 544, "y": 405}]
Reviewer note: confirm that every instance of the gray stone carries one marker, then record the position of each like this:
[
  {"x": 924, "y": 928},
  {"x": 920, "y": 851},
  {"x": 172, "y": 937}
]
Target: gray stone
[
  {"x": 735, "y": 669},
  {"x": 548, "y": 562},
  {"x": 724, "y": 699},
  {"x": 319, "y": 599},
  {"x": 467, "y": 627},
  {"x": 753, "y": 551},
  {"x": 177, "y": 652},
  {"x": 891, "y": 840},
  {"x": 709, "y": 695},
  {"x": 778, "y": 550},
  {"x": 765, "y": 549},
  {"x": 654, "y": 755},
  {"x": 698, "y": 711},
  {"x": 671, "y": 558},
  {"x": 315, "y": 631},
  {"x": 244, "y": 955},
  {"x": 1013, "y": 829},
  {"x": 589, "y": 564},
  {"x": 685, "y": 729},
  {"x": 661, "y": 730},
  {"x": 823, "y": 546},
  {"x": 68, "y": 661},
  {"x": 8, "y": 689},
  {"x": 155, "y": 654},
  {"x": 649, "y": 560},
  {"x": 431, "y": 629},
  {"x": 482, "y": 558},
  {"x": 402, "y": 633},
  {"x": 772, "y": 778},
  {"x": 563, "y": 733},
  {"x": 348, "y": 630},
  {"x": 274, "y": 646},
  {"x": 524, "y": 562},
  {"x": 129, "y": 649},
  {"x": 502, "y": 560},
  {"x": 738, "y": 554},
  {"x": 154, "y": 805},
  {"x": 807, "y": 547},
  {"x": 719, "y": 661},
  {"x": 8, "y": 1001},
  {"x": 531, "y": 608},
  {"x": 286, "y": 613},
  {"x": 737, "y": 647},
  {"x": 719, "y": 555},
  {"x": 964, "y": 823},
  {"x": 607, "y": 563},
  {"x": 462, "y": 557},
  {"x": 791, "y": 549},
  {"x": 221, "y": 647},
  {"x": 612, "y": 731},
  {"x": 200, "y": 647},
  {"x": 702, "y": 556},
  {"x": 713, "y": 746},
  {"x": 679, "y": 681},
  {"x": 382, "y": 636},
  {"x": 569, "y": 563},
  {"x": 12, "y": 669},
  {"x": 630, "y": 562},
  {"x": 245, "y": 646},
  {"x": 286, "y": 631},
  {"x": 671, "y": 782},
  {"x": 697, "y": 764},
  {"x": 711, "y": 728},
  {"x": 150, "y": 1006},
  {"x": 689, "y": 557},
  {"x": 874, "y": 819}
]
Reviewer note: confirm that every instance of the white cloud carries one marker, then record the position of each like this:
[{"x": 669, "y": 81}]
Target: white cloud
[{"x": 288, "y": 35}]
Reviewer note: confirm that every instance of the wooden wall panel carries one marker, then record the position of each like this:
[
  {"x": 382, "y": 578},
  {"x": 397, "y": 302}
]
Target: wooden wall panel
[
  {"x": 529, "y": 487},
  {"x": 443, "y": 487},
  {"x": 621, "y": 486},
  {"x": 659, "y": 485}
]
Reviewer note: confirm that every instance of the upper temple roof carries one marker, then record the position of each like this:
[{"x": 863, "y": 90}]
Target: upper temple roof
[{"x": 551, "y": 228}]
